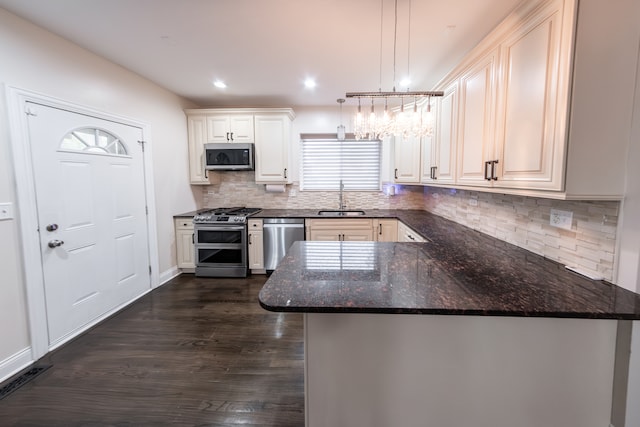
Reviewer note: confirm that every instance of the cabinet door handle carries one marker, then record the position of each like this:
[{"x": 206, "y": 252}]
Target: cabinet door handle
[
  {"x": 486, "y": 170},
  {"x": 193, "y": 239},
  {"x": 206, "y": 174},
  {"x": 395, "y": 173},
  {"x": 380, "y": 229},
  {"x": 249, "y": 238},
  {"x": 231, "y": 136},
  {"x": 285, "y": 173},
  {"x": 493, "y": 170},
  {"x": 227, "y": 136}
]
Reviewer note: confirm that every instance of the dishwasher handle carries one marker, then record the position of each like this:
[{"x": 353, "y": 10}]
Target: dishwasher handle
[{"x": 283, "y": 225}]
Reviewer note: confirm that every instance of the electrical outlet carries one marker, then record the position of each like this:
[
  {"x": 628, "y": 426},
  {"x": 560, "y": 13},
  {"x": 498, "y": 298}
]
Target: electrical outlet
[
  {"x": 6, "y": 211},
  {"x": 473, "y": 201},
  {"x": 561, "y": 219}
]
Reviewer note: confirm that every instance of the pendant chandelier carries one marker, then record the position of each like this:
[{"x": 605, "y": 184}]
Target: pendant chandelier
[{"x": 413, "y": 119}]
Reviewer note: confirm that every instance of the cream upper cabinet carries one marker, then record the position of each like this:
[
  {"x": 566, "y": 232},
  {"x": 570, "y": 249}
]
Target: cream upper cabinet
[
  {"x": 533, "y": 86},
  {"x": 439, "y": 150},
  {"x": 600, "y": 125},
  {"x": 197, "y": 137},
  {"x": 407, "y": 152},
  {"x": 268, "y": 128},
  {"x": 273, "y": 135},
  {"x": 555, "y": 121},
  {"x": 230, "y": 128},
  {"x": 475, "y": 143}
]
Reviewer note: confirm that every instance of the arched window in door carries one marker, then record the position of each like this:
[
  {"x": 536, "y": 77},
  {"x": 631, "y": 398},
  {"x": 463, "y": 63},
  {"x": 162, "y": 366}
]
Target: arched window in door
[{"x": 93, "y": 140}]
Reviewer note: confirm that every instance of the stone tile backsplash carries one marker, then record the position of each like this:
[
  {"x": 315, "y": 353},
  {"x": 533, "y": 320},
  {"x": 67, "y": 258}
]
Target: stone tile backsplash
[
  {"x": 239, "y": 189},
  {"x": 523, "y": 221}
]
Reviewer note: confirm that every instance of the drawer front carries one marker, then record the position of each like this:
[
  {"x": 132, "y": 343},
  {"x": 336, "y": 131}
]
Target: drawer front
[
  {"x": 184, "y": 223},
  {"x": 340, "y": 223},
  {"x": 254, "y": 224}
]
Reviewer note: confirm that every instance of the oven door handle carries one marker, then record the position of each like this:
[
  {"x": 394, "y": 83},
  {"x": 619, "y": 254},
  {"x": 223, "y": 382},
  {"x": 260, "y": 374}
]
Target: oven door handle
[{"x": 219, "y": 227}]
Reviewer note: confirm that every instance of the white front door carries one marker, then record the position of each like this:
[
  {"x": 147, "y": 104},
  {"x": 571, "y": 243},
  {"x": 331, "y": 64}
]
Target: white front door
[{"x": 90, "y": 193}]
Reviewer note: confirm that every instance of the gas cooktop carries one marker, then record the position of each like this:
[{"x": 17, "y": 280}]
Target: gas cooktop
[{"x": 225, "y": 215}]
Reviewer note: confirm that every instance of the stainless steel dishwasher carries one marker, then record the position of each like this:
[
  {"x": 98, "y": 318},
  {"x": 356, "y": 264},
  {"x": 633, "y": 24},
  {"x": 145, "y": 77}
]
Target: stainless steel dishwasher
[{"x": 279, "y": 234}]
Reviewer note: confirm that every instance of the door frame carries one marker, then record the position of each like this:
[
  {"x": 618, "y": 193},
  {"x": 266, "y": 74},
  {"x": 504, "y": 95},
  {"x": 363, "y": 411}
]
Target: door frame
[{"x": 26, "y": 204}]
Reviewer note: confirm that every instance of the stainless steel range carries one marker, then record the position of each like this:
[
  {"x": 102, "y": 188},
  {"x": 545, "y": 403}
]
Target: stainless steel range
[{"x": 221, "y": 242}]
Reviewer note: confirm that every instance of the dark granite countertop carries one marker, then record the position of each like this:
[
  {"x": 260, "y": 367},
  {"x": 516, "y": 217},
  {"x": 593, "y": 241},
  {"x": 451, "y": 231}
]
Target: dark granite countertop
[
  {"x": 313, "y": 213},
  {"x": 190, "y": 214},
  {"x": 458, "y": 272}
]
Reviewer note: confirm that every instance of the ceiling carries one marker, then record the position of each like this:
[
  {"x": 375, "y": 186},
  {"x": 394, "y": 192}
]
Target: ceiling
[{"x": 265, "y": 49}]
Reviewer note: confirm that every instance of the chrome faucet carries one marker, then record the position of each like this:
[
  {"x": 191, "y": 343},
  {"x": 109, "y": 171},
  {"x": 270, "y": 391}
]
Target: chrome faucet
[{"x": 342, "y": 206}]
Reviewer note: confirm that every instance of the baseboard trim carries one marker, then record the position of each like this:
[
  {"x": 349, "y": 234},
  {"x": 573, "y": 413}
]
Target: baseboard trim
[
  {"x": 169, "y": 274},
  {"x": 15, "y": 363}
]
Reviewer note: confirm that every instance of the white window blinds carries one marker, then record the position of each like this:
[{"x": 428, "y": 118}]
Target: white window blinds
[{"x": 327, "y": 161}]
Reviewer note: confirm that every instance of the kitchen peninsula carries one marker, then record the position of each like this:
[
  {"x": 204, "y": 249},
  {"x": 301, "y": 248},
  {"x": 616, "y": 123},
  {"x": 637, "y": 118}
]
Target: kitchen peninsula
[{"x": 461, "y": 330}]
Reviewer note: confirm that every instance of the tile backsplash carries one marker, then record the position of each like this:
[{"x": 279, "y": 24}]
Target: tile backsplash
[
  {"x": 240, "y": 189},
  {"x": 523, "y": 221}
]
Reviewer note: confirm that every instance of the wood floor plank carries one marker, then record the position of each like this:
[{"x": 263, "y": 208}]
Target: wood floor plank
[{"x": 196, "y": 351}]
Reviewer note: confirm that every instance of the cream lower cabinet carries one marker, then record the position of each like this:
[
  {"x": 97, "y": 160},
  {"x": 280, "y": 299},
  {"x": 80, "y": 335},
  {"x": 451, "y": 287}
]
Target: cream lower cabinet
[
  {"x": 386, "y": 230},
  {"x": 185, "y": 251},
  {"x": 406, "y": 234},
  {"x": 256, "y": 244},
  {"x": 339, "y": 230}
]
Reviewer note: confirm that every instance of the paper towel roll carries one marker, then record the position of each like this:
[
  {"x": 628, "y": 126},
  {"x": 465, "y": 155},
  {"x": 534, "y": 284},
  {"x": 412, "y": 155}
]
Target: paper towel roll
[{"x": 274, "y": 188}]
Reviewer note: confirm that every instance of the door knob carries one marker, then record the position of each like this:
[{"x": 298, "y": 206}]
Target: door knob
[
  {"x": 55, "y": 243},
  {"x": 52, "y": 227}
]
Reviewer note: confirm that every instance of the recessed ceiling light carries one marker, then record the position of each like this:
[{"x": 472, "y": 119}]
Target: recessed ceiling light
[
  {"x": 405, "y": 82},
  {"x": 309, "y": 83},
  {"x": 220, "y": 84}
]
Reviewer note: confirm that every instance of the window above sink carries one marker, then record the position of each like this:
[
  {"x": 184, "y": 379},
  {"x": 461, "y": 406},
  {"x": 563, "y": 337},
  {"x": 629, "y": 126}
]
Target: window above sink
[{"x": 327, "y": 161}]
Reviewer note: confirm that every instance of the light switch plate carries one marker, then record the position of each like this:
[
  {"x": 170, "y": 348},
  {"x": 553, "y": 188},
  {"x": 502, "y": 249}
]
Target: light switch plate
[
  {"x": 6, "y": 211},
  {"x": 561, "y": 219}
]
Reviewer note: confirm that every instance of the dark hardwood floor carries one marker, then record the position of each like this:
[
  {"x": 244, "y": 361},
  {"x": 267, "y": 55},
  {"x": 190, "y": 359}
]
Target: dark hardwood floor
[{"x": 194, "y": 352}]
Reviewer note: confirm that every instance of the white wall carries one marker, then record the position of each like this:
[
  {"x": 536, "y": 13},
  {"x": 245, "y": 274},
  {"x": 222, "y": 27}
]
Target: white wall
[
  {"x": 326, "y": 120},
  {"x": 36, "y": 60},
  {"x": 629, "y": 234}
]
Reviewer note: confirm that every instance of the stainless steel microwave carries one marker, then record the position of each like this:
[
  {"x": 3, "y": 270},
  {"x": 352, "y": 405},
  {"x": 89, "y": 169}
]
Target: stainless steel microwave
[{"x": 228, "y": 157}]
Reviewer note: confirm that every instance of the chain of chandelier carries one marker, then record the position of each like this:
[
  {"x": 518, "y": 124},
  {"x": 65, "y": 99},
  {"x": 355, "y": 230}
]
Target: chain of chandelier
[{"x": 412, "y": 118}]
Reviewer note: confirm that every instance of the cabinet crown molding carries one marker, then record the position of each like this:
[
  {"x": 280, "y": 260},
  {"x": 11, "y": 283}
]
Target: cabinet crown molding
[{"x": 253, "y": 111}]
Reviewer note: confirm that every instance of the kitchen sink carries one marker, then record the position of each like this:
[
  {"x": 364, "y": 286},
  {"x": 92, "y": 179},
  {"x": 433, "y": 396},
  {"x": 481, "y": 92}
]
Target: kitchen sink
[{"x": 341, "y": 213}]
